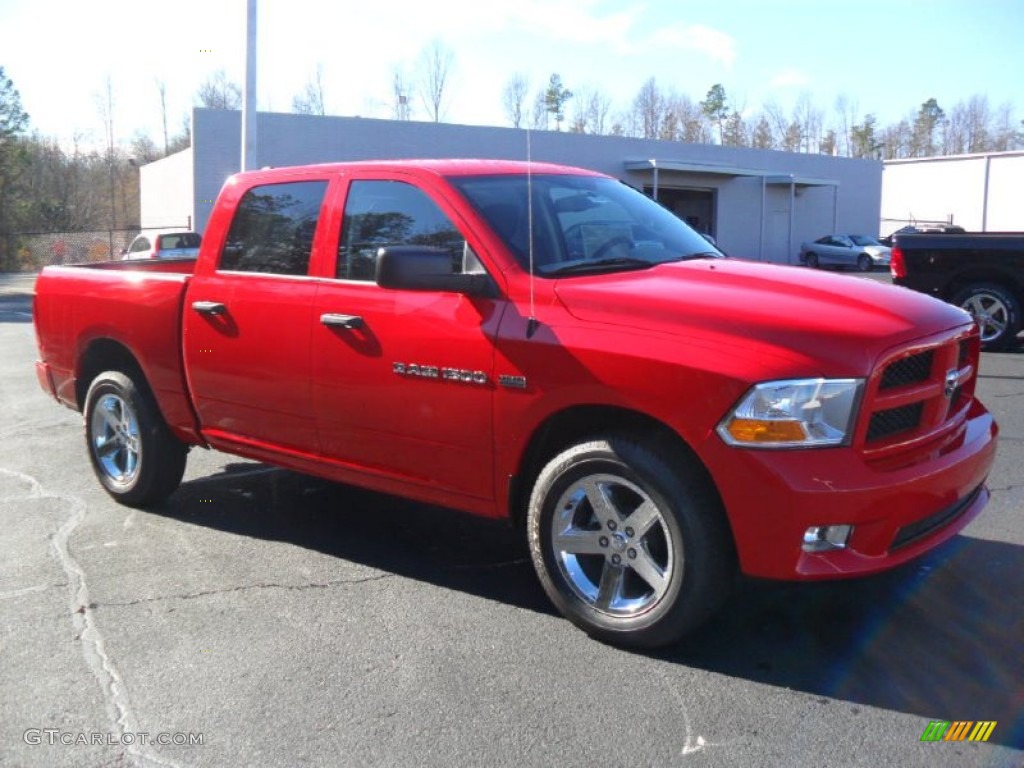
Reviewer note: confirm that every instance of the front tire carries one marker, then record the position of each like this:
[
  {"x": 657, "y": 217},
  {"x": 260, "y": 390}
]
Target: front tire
[
  {"x": 629, "y": 541},
  {"x": 995, "y": 309},
  {"x": 135, "y": 457},
  {"x": 864, "y": 263},
  {"x": 811, "y": 260}
]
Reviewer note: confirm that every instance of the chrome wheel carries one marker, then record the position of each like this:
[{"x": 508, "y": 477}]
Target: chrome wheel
[
  {"x": 991, "y": 314},
  {"x": 114, "y": 438},
  {"x": 612, "y": 545}
]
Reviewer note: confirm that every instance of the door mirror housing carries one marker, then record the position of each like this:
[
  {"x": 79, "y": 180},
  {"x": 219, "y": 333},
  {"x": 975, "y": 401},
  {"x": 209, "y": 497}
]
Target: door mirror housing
[{"x": 422, "y": 268}]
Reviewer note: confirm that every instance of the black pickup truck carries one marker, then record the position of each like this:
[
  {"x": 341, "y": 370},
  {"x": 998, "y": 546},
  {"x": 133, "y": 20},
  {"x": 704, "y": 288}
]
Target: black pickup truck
[{"x": 980, "y": 272}]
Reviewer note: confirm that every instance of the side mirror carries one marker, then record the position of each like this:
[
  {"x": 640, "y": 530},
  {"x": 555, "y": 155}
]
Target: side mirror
[{"x": 422, "y": 268}]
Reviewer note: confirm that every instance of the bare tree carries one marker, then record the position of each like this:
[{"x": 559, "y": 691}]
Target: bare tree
[
  {"x": 589, "y": 111},
  {"x": 182, "y": 139},
  {"x": 539, "y": 114},
  {"x": 401, "y": 106},
  {"x": 649, "y": 110},
  {"x": 846, "y": 111},
  {"x": 436, "y": 64},
  {"x": 513, "y": 99},
  {"x": 761, "y": 137},
  {"x": 161, "y": 89},
  {"x": 688, "y": 121},
  {"x": 311, "y": 100},
  {"x": 977, "y": 118},
  {"x": 808, "y": 119},
  {"x": 105, "y": 105},
  {"x": 1003, "y": 132},
  {"x": 217, "y": 92}
]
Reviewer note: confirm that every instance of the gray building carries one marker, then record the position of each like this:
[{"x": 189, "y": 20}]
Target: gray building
[{"x": 758, "y": 204}]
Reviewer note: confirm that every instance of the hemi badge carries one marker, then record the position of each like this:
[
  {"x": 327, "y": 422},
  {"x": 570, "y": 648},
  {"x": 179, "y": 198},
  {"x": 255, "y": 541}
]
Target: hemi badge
[{"x": 512, "y": 382}]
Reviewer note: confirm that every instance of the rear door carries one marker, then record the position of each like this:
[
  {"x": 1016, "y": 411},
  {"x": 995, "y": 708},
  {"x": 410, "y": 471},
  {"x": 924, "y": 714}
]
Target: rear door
[
  {"x": 248, "y": 319},
  {"x": 403, "y": 380}
]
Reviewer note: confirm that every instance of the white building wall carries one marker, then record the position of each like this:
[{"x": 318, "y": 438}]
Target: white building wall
[
  {"x": 286, "y": 139},
  {"x": 1006, "y": 194},
  {"x": 953, "y": 189},
  {"x": 166, "y": 192}
]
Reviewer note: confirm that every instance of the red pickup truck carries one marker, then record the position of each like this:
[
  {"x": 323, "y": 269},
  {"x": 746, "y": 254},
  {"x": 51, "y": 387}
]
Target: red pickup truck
[{"x": 543, "y": 344}]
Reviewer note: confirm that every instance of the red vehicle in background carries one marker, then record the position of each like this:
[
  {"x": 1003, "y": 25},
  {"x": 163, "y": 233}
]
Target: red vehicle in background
[{"x": 543, "y": 344}]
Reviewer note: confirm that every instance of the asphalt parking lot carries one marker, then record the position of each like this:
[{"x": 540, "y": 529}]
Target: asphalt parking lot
[{"x": 286, "y": 621}]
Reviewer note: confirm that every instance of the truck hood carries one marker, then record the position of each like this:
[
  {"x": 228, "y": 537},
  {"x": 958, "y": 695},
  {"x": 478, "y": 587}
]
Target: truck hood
[{"x": 839, "y": 321}]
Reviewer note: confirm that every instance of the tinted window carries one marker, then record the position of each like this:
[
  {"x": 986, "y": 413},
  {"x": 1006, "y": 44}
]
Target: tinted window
[
  {"x": 575, "y": 223},
  {"x": 140, "y": 244},
  {"x": 379, "y": 214},
  {"x": 273, "y": 228}
]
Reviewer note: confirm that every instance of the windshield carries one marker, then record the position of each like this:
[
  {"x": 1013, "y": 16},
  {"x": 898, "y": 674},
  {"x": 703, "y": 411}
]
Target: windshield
[
  {"x": 581, "y": 224},
  {"x": 864, "y": 240}
]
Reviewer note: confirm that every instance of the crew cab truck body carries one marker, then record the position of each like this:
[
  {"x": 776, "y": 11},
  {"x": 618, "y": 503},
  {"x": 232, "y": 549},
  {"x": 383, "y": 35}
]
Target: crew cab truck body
[
  {"x": 981, "y": 272},
  {"x": 543, "y": 344}
]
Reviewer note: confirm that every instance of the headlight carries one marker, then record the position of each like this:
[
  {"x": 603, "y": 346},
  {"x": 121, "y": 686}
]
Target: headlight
[{"x": 802, "y": 413}]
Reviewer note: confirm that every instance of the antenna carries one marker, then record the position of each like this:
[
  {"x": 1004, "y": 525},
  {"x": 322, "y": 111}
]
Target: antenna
[{"x": 531, "y": 323}]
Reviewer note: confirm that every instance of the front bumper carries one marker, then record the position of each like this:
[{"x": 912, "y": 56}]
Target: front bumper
[{"x": 898, "y": 511}]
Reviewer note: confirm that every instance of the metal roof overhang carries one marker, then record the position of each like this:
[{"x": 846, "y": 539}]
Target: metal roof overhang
[
  {"x": 678, "y": 166},
  {"x": 656, "y": 167}
]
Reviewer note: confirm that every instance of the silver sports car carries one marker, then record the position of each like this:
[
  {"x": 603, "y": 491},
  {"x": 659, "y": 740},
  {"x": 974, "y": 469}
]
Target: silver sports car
[{"x": 861, "y": 251}]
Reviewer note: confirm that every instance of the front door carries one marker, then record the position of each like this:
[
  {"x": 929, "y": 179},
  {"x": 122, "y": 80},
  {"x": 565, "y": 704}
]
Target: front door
[
  {"x": 403, "y": 381},
  {"x": 247, "y": 324}
]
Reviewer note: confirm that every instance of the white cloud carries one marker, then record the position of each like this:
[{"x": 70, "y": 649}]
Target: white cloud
[
  {"x": 790, "y": 78},
  {"x": 716, "y": 45}
]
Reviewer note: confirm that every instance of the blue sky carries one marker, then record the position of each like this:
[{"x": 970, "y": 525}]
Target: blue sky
[{"x": 886, "y": 57}]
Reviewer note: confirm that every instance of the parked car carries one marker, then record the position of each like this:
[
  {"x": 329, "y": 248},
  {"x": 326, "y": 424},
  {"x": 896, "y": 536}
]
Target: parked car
[
  {"x": 861, "y": 251},
  {"x": 164, "y": 245},
  {"x": 911, "y": 229}
]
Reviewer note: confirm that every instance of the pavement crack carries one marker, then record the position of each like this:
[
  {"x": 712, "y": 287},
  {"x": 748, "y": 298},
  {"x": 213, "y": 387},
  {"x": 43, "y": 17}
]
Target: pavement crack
[
  {"x": 242, "y": 588},
  {"x": 83, "y": 619}
]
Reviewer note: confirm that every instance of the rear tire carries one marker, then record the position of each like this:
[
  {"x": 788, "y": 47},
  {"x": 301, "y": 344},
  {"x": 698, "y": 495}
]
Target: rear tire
[
  {"x": 134, "y": 455},
  {"x": 996, "y": 310},
  {"x": 864, "y": 263},
  {"x": 629, "y": 541}
]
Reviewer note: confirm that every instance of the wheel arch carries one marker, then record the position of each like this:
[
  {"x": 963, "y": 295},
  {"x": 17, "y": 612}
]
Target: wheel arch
[
  {"x": 105, "y": 354},
  {"x": 962, "y": 280},
  {"x": 572, "y": 425}
]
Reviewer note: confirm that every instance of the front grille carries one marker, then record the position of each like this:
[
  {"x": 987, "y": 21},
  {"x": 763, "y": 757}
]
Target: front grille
[
  {"x": 911, "y": 533},
  {"x": 909, "y": 370},
  {"x": 895, "y": 420},
  {"x": 965, "y": 353},
  {"x": 907, "y": 398}
]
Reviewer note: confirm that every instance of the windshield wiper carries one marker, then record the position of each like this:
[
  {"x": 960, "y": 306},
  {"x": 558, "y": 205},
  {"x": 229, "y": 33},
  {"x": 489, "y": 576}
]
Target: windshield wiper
[{"x": 600, "y": 265}]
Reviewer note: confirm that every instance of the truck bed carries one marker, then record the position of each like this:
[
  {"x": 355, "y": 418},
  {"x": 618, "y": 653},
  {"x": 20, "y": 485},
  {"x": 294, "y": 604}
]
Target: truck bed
[{"x": 78, "y": 310}]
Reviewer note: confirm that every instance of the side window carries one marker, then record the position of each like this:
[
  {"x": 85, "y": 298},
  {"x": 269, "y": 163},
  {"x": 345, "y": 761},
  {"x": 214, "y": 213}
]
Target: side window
[
  {"x": 379, "y": 214},
  {"x": 273, "y": 228},
  {"x": 140, "y": 244}
]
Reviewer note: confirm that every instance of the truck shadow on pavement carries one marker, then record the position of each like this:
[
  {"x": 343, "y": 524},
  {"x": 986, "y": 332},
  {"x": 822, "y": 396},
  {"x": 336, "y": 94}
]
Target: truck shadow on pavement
[{"x": 940, "y": 638}]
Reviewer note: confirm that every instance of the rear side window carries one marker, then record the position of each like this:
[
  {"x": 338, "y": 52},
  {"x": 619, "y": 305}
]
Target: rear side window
[
  {"x": 273, "y": 229},
  {"x": 140, "y": 244},
  {"x": 379, "y": 214},
  {"x": 179, "y": 240}
]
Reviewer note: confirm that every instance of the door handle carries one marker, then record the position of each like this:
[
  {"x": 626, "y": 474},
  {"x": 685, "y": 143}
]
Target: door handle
[
  {"x": 209, "y": 307},
  {"x": 351, "y": 322}
]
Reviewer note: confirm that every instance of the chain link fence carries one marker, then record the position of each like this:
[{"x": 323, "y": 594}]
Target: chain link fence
[{"x": 31, "y": 251}]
